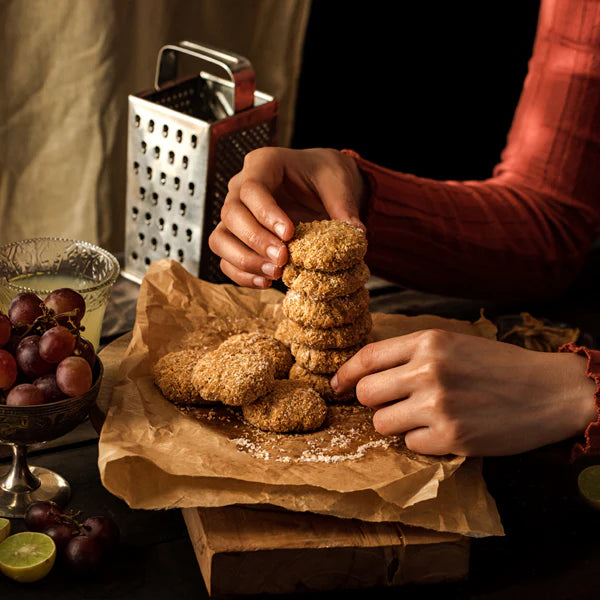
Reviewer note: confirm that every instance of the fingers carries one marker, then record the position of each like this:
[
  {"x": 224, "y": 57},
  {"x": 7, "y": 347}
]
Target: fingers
[
  {"x": 373, "y": 358},
  {"x": 381, "y": 388},
  {"x": 400, "y": 417},
  {"x": 240, "y": 258},
  {"x": 242, "y": 278}
]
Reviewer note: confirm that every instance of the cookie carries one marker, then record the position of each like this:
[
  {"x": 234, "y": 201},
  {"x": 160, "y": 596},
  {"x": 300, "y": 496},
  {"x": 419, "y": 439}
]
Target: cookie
[
  {"x": 327, "y": 245},
  {"x": 320, "y": 383},
  {"x": 325, "y": 313},
  {"x": 335, "y": 337},
  {"x": 292, "y": 406},
  {"x": 323, "y": 361},
  {"x": 282, "y": 333},
  {"x": 318, "y": 284},
  {"x": 263, "y": 345},
  {"x": 232, "y": 378},
  {"x": 173, "y": 376}
]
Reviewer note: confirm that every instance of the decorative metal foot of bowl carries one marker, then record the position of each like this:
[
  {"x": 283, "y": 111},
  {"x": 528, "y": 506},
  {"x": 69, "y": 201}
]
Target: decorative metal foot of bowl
[{"x": 21, "y": 426}]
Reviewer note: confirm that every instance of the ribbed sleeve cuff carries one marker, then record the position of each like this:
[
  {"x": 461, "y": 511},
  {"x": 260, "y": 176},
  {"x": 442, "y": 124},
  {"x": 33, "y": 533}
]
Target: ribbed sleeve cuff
[{"x": 591, "y": 444}]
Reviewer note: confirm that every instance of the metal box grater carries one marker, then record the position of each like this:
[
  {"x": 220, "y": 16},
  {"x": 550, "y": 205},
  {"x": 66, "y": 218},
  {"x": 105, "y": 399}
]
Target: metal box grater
[{"x": 186, "y": 139}]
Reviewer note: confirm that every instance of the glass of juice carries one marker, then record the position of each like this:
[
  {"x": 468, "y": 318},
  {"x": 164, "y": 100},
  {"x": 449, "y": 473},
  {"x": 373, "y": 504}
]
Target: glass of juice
[{"x": 42, "y": 265}]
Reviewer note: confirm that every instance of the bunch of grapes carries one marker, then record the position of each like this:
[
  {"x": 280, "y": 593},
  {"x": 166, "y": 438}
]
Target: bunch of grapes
[
  {"x": 81, "y": 546},
  {"x": 43, "y": 356}
]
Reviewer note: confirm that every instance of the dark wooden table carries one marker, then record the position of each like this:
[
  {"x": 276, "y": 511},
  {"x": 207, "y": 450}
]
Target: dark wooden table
[{"x": 550, "y": 551}]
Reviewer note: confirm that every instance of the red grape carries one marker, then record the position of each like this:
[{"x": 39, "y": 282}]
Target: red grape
[
  {"x": 103, "y": 529},
  {"x": 49, "y": 388},
  {"x": 41, "y": 515},
  {"x": 56, "y": 343},
  {"x": 28, "y": 357},
  {"x": 66, "y": 300},
  {"x": 25, "y": 308},
  {"x": 62, "y": 534},
  {"x": 83, "y": 555},
  {"x": 8, "y": 370},
  {"x": 85, "y": 349},
  {"x": 74, "y": 376},
  {"x": 24, "y": 394},
  {"x": 5, "y": 329}
]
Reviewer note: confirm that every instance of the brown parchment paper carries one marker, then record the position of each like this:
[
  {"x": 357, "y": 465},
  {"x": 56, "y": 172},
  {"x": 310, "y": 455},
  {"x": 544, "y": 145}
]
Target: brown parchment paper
[{"x": 153, "y": 455}]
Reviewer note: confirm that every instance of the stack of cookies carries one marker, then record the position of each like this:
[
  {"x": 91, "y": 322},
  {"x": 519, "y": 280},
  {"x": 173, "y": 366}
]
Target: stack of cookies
[{"x": 327, "y": 304}]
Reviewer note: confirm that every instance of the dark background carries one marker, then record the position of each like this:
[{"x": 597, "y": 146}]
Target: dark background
[{"x": 427, "y": 87}]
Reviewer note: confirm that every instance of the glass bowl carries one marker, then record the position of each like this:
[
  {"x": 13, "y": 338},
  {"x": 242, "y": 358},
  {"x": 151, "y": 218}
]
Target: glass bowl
[
  {"x": 24, "y": 425},
  {"x": 42, "y": 265}
]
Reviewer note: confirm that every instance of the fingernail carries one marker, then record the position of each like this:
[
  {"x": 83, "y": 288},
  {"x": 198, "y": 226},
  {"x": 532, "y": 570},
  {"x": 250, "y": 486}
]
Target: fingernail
[
  {"x": 259, "y": 282},
  {"x": 358, "y": 223},
  {"x": 279, "y": 229},
  {"x": 268, "y": 269},
  {"x": 334, "y": 382},
  {"x": 273, "y": 253}
]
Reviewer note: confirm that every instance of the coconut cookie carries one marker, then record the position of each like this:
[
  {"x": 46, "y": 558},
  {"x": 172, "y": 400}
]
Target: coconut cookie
[
  {"x": 292, "y": 406},
  {"x": 320, "y": 383},
  {"x": 325, "y": 313},
  {"x": 323, "y": 361},
  {"x": 327, "y": 245},
  {"x": 173, "y": 376},
  {"x": 319, "y": 284}
]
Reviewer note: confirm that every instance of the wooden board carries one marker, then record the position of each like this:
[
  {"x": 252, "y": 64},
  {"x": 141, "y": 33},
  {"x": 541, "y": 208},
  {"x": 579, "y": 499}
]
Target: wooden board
[{"x": 249, "y": 550}]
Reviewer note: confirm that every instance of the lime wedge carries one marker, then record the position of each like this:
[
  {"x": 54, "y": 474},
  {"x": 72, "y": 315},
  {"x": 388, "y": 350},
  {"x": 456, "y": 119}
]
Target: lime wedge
[
  {"x": 4, "y": 528},
  {"x": 27, "y": 556},
  {"x": 589, "y": 485}
]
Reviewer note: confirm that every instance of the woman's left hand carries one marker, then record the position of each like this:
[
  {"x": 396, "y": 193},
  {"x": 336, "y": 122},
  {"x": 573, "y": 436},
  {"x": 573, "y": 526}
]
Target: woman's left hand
[{"x": 466, "y": 395}]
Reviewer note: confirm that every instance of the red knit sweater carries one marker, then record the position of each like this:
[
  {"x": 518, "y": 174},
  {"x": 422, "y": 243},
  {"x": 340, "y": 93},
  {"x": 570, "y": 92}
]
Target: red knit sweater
[{"x": 524, "y": 232}]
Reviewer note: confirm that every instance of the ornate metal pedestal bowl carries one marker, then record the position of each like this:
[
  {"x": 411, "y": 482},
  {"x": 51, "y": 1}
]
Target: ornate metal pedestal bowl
[{"x": 21, "y": 426}]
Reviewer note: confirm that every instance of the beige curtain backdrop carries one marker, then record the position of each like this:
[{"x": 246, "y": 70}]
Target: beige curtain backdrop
[{"x": 66, "y": 67}]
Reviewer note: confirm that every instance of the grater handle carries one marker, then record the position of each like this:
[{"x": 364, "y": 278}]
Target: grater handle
[{"x": 238, "y": 68}]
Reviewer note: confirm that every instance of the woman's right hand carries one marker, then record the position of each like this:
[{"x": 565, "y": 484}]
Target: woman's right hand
[{"x": 276, "y": 189}]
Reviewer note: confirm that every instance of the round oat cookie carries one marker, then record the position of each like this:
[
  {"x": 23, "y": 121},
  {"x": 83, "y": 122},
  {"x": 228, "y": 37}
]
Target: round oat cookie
[
  {"x": 335, "y": 337},
  {"x": 263, "y": 345},
  {"x": 319, "y": 284},
  {"x": 292, "y": 406},
  {"x": 173, "y": 376},
  {"x": 233, "y": 379},
  {"x": 320, "y": 383},
  {"x": 325, "y": 314},
  {"x": 327, "y": 245},
  {"x": 282, "y": 333},
  {"x": 323, "y": 361}
]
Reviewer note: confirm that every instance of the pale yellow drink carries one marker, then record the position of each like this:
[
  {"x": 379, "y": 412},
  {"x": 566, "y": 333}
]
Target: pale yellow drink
[{"x": 44, "y": 283}]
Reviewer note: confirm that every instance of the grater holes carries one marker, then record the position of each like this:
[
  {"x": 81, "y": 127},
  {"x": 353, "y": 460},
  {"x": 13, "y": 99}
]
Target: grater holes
[
  {"x": 136, "y": 167},
  {"x": 134, "y": 255},
  {"x": 156, "y": 152},
  {"x": 142, "y": 193},
  {"x": 194, "y": 141},
  {"x": 154, "y": 198},
  {"x": 134, "y": 213},
  {"x": 153, "y": 243},
  {"x": 169, "y": 203},
  {"x": 179, "y": 135},
  {"x": 180, "y": 255},
  {"x": 161, "y": 224},
  {"x": 147, "y": 261},
  {"x": 167, "y": 250},
  {"x": 184, "y": 162},
  {"x": 182, "y": 208},
  {"x": 165, "y": 130},
  {"x": 141, "y": 237},
  {"x": 188, "y": 235},
  {"x": 151, "y": 125},
  {"x": 163, "y": 178},
  {"x": 144, "y": 147},
  {"x": 171, "y": 157},
  {"x": 149, "y": 173},
  {"x": 137, "y": 120},
  {"x": 174, "y": 229},
  {"x": 148, "y": 218},
  {"x": 177, "y": 183},
  {"x": 191, "y": 188}
]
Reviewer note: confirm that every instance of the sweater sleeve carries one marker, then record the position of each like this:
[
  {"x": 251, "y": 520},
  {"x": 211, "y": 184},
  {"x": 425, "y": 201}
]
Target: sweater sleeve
[{"x": 525, "y": 231}]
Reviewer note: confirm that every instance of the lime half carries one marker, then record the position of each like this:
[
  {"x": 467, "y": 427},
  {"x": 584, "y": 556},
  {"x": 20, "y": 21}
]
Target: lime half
[
  {"x": 4, "y": 528},
  {"x": 27, "y": 556},
  {"x": 589, "y": 485}
]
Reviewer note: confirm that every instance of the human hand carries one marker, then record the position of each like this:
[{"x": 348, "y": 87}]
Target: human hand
[
  {"x": 276, "y": 189},
  {"x": 465, "y": 395}
]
